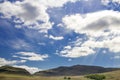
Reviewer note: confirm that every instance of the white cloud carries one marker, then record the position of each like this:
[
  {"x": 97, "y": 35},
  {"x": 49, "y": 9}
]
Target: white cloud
[
  {"x": 31, "y": 12},
  {"x": 56, "y": 38},
  {"x": 111, "y": 44},
  {"x": 31, "y": 56},
  {"x": 54, "y": 3},
  {"x": 93, "y": 24},
  {"x": 89, "y": 47},
  {"x": 100, "y": 28},
  {"x": 19, "y": 44},
  {"x": 32, "y": 70},
  {"x": 67, "y": 47},
  {"x": 3, "y": 62},
  {"x": 76, "y": 52}
]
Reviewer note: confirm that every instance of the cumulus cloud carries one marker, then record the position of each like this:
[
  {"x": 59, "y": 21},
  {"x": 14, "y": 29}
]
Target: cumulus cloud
[
  {"x": 111, "y": 44},
  {"x": 31, "y": 56},
  {"x": 31, "y": 12},
  {"x": 32, "y": 70},
  {"x": 100, "y": 28},
  {"x": 56, "y": 38},
  {"x": 93, "y": 24},
  {"x": 89, "y": 47},
  {"x": 3, "y": 62},
  {"x": 76, "y": 52}
]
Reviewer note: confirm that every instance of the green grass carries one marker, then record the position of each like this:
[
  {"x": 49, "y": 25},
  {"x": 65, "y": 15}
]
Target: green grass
[{"x": 115, "y": 75}]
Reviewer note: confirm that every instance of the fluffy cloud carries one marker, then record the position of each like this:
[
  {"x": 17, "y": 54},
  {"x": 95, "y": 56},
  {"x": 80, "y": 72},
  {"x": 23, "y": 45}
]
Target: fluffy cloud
[
  {"x": 3, "y": 62},
  {"x": 31, "y": 56},
  {"x": 100, "y": 28},
  {"x": 76, "y": 52},
  {"x": 111, "y": 44},
  {"x": 56, "y": 38},
  {"x": 31, "y": 12},
  {"x": 93, "y": 24},
  {"x": 89, "y": 47},
  {"x": 32, "y": 70}
]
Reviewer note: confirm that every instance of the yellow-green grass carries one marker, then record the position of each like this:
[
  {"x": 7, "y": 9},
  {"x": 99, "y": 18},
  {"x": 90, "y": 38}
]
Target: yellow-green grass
[{"x": 114, "y": 75}]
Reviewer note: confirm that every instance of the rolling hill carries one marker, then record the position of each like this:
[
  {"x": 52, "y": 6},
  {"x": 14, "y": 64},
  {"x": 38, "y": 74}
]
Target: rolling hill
[
  {"x": 13, "y": 70},
  {"x": 74, "y": 70},
  {"x": 11, "y": 73},
  {"x": 113, "y": 75}
]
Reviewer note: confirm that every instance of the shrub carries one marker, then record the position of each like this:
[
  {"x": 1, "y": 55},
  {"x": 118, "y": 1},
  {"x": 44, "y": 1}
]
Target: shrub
[
  {"x": 95, "y": 77},
  {"x": 69, "y": 78}
]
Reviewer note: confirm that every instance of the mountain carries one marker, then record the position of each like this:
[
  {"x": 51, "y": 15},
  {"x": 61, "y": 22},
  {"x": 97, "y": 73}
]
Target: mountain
[
  {"x": 113, "y": 75},
  {"x": 13, "y": 70},
  {"x": 74, "y": 70}
]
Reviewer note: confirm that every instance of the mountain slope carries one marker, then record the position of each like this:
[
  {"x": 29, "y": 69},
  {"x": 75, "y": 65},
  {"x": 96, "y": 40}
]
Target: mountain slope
[
  {"x": 13, "y": 70},
  {"x": 74, "y": 70}
]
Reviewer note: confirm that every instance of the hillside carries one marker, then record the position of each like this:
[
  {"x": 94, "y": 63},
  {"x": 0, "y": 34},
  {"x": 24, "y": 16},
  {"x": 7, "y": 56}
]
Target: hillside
[
  {"x": 114, "y": 75},
  {"x": 13, "y": 70},
  {"x": 74, "y": 70}
]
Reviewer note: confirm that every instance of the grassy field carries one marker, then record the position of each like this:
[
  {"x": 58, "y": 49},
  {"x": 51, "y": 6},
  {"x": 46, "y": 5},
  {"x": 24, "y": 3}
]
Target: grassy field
[{"x": 115, "y": 75}]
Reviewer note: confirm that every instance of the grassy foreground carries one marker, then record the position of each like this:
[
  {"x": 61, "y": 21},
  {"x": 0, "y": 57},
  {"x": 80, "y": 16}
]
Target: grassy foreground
[{"x": 115, "y": 75}]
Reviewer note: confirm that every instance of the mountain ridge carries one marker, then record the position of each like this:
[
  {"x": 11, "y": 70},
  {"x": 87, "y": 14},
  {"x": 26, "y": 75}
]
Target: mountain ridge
[{"x": 74, "y": 70}]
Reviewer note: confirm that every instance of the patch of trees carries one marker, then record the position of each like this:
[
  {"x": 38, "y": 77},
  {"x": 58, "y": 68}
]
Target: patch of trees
[
  {"x": 67, "y": 78},
  {"x": 95, "y": 77}
]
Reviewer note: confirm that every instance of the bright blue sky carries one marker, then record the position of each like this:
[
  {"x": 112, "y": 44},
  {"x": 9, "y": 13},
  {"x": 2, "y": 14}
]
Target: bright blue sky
[{"x": 42, "y": 34}]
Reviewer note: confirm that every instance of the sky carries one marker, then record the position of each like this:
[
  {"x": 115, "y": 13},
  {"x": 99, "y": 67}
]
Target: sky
[{"x": 43, "y": 34}]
